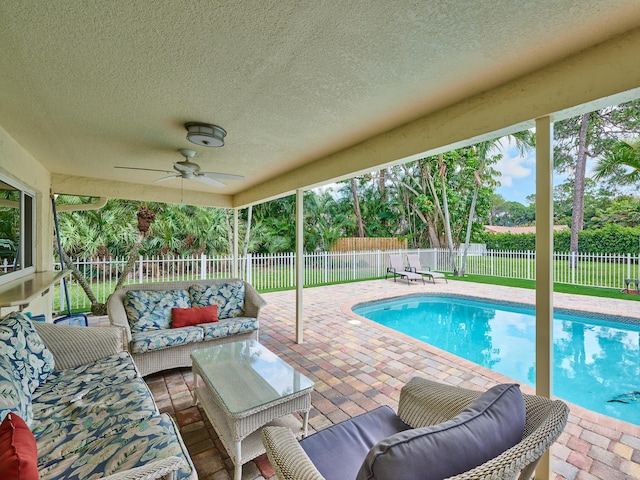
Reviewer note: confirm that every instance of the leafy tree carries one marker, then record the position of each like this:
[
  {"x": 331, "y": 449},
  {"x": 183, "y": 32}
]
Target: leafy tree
[
  {"x": 623, "y": 211},
  {"x": 356, "y": 204},
  {"x": 524, "y": 141},
  {"x": 588, "y": 136},
  {"x": 621, "y": 163}
]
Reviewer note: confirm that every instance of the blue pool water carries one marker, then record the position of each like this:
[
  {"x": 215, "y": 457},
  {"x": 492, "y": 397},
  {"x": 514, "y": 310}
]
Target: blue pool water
[{"x": 596, "y": 361}]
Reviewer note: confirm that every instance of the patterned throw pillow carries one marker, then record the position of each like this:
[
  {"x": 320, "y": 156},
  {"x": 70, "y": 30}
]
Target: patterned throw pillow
[
  {"x": 21, "y": 345},
  {"x": 14, "y": 396},
  {"x": 228, "y": 296},
  {"x": 151, "y": 309}
]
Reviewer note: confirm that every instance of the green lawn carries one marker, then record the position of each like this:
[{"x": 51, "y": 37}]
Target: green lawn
[
  {"x": 102, "y": 290},
  {"x": 557, "y": 287}
]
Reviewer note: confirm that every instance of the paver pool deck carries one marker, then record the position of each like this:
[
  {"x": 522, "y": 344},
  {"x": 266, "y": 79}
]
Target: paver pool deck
[{"x": 358, "y": 365}]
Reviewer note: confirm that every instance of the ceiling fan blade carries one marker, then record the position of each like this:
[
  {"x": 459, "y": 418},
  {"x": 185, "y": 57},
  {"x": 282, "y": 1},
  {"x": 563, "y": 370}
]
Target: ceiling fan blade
[
  {"x": 170, "y": 177},
  {"x": 145, "y": 169},
  {"x": 209, "y": 181},
  {"x": 223, "y": 176}
]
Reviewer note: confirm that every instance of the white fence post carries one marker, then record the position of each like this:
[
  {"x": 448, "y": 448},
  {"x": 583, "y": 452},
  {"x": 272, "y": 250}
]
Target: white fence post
[
  {"x": 249, "y": 268},
  {"x": 203, "y": 266}
]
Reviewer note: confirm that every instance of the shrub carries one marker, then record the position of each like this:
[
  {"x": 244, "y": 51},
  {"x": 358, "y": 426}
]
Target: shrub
[{"x": 610, "y": 239}]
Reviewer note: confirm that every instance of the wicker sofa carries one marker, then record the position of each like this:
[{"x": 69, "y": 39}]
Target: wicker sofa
[
  {"x": 144, "y": 311},
  {"x": 76, "y": 408},
  {"x": 440, "y": 431}
]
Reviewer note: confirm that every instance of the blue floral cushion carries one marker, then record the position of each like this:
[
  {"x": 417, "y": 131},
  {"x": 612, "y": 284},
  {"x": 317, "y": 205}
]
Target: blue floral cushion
[
  {"x": 21, "y": 345},
  {"x": 157, "y": 339},
  {"x": 231, "y": 326},
  {"x": 74, "y": 383},
  {"x": 14, "y": 397},
  {"x": 151, "y": 439},
  {"x": 71, "y": 426},
  {"x": 151, "y": 309},
  {"x": 228, "y": 296}
]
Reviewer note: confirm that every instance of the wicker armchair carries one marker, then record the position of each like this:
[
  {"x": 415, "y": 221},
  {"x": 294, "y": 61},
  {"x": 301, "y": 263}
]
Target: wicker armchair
[{"x": 424, "y": 403}]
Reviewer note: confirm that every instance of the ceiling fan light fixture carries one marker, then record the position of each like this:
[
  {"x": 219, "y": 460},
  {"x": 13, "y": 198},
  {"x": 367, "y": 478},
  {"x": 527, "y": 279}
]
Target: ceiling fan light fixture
[{"x": 205, "y": 134}]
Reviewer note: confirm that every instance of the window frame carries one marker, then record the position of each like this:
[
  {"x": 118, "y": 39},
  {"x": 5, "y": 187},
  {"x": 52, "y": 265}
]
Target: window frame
[{"x": 27, "y": 230}]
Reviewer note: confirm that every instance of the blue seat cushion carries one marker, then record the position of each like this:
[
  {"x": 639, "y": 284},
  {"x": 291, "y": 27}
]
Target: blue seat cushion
[
  {"x": 158, "y": 339},
  {"x": 227, "y": 327},
  {"x": 491, "y": 424},
  {"x": 151, "y": 439},
  {"x": 74, "y": 383},
  {"x": 338, "y": 451},
  {"x": 70, "y": 426}
]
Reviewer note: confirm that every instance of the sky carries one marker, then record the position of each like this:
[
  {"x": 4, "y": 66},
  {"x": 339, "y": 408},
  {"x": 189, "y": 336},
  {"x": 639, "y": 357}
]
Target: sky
[{"x": 518, "y": 178}]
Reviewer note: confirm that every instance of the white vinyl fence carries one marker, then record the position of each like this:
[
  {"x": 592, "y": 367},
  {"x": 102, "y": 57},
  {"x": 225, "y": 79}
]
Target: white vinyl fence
[
  {"x": 265, "y": 272},
  {"x": 586, "y": 269},
  {"x": 277, "y": 271}
]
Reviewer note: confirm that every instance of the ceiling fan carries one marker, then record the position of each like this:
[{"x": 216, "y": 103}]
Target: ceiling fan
[{"x": 191, "y": 171}]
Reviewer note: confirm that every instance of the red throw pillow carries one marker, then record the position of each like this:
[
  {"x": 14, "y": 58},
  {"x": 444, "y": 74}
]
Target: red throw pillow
[
  {"x": 189, "y": 317},
  {"x": 18, "y": 451}
]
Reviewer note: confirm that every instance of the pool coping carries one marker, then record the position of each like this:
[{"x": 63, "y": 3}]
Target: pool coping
[{"x": 528, "y": 306}]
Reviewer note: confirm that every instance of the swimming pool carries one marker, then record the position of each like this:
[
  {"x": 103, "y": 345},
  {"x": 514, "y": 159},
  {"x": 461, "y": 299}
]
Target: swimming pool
[{"x": 596, "y": 360}]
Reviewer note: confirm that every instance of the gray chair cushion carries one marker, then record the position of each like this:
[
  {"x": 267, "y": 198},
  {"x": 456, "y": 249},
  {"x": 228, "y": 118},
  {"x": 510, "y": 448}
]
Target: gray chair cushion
[
  {"x": 487, "y": 427},
  {"x": 338, "y": 451}
]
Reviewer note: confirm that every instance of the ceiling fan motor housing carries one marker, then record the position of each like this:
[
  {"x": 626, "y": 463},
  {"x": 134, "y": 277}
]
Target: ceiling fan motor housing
[{"x": 205, "y": 135}]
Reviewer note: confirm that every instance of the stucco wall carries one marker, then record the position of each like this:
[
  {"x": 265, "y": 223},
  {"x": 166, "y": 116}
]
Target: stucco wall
[{"x": 17, "y": 164}]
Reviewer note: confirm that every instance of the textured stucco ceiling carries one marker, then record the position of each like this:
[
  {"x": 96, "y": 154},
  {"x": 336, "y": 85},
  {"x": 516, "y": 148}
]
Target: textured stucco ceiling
[{"x": 86, "y": 86}]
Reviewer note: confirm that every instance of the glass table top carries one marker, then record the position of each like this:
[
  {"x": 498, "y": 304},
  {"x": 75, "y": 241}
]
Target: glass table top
[{"x": 246, "y": 375}]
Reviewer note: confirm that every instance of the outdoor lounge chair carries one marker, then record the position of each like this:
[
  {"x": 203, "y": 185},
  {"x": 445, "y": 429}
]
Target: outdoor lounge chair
[
  {"x": 397, "y": 269},
  {"x": 416, "y": 267},
  {"x": 440, "y": 431}
]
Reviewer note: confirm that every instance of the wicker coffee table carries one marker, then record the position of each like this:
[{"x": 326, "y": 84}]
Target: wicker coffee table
[{"x": 243, "y": 386}]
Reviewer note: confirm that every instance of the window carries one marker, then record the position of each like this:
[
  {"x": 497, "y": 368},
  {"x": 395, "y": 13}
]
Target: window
[{"x": 16, "y": 230}]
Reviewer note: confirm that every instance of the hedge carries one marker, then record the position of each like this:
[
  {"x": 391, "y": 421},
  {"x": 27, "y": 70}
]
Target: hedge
[{"x": 610, "y": 239}]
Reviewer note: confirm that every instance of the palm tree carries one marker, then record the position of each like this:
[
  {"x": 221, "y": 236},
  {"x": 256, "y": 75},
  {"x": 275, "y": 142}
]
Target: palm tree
[
  {"x": 356, "y": 203},
  {"x": 447, "y": 216},
  {"x": 524, "y": 142},
  {"x": 616, "y": 162}
]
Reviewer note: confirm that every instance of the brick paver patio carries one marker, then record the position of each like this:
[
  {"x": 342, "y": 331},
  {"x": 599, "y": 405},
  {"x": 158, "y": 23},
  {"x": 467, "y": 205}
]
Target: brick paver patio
[{"x": 358, "y": 365}]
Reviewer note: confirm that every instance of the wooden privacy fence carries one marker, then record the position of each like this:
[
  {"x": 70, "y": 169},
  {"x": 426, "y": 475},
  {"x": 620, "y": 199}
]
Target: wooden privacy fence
[{"x": 359, "y": 244}]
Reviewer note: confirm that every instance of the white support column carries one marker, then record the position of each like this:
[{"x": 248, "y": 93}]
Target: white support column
[
  {"x": 544, "y": 269},
  {"x": 299, "y": 264},
  {"x": 234, "y": 260}
]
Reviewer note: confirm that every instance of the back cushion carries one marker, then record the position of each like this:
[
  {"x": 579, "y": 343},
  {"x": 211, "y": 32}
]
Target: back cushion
[
  {"x": 14, "y": 396},
  {"x": 151, "y": 309},
  {"x": 24, "y": 350},
  {"x": 229, "y": 297},
  {"x": 490, "y": 425}
]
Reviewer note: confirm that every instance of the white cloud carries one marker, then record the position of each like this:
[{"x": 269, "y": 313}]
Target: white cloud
[{"x": 513, "y": 166}]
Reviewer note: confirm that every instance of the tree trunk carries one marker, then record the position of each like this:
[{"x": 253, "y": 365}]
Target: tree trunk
[
  {"x": 97, "y": 308},
  {"x": 577, "y": 216},
  {"x": 247, "y": 233},
  {"x": 472, "y": 213},
  {"x": 432, "y": 233},
  {"x": 356, "y": 203},
  {"x": 447, "y": 220},
  {"x": 128, "y": 268},
  {"x": 382, "y": 186},
  {"x": 229, "y": 230}
]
